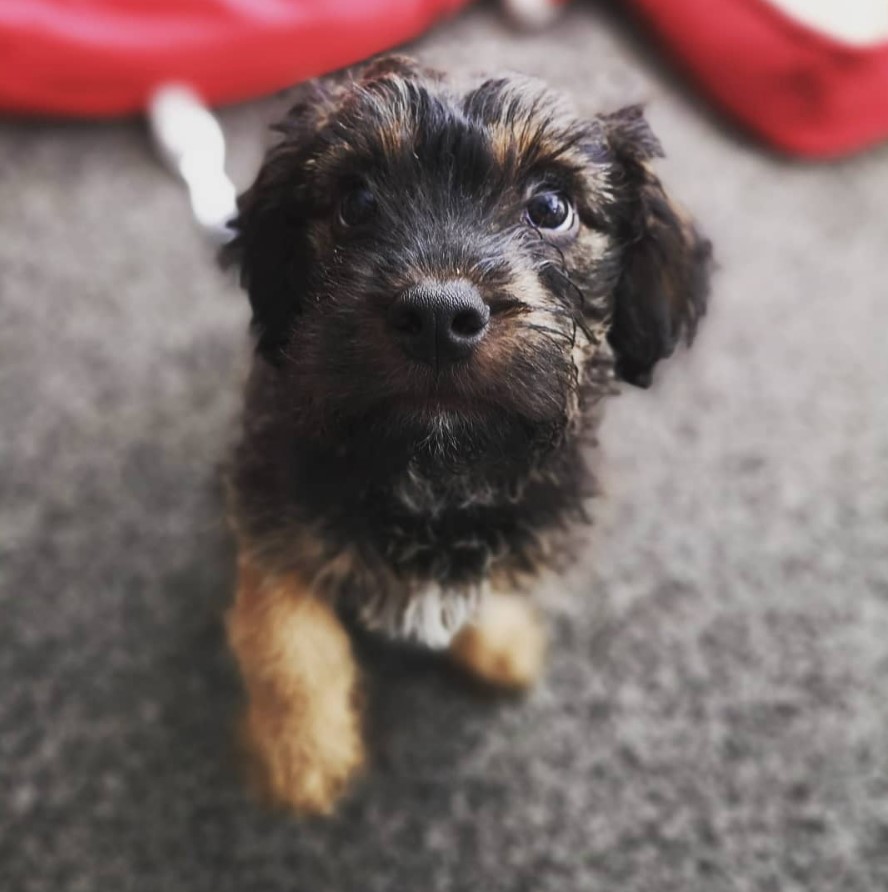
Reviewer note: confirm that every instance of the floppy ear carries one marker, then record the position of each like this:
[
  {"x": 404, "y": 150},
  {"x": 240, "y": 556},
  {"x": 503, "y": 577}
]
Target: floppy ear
[
  {"x": 664, "y": 277},
  {"x": 271, "y": 246}
]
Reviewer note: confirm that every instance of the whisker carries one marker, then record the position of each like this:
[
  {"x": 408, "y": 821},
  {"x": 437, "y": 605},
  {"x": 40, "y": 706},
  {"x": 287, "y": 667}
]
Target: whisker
[{"x": 551, "y": 332}]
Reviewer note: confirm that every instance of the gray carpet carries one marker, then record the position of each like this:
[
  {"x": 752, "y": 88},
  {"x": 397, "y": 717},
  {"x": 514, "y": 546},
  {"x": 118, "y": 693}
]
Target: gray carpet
[{"x": 714, "y": 714}]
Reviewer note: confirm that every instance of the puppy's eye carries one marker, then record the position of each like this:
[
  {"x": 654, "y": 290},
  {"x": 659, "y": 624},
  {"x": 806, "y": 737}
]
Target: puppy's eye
[
  {"x": 550, "y": 210},
  {"x": 357, "y": 206}
]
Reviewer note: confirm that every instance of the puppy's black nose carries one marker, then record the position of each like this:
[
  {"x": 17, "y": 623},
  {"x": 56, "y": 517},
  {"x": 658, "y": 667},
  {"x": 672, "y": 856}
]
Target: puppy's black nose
[{"x": 439, "y": 322}]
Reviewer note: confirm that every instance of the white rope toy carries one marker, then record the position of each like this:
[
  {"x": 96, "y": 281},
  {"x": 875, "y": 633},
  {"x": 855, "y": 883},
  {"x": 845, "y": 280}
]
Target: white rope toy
[{"x": 191, "y": 143}]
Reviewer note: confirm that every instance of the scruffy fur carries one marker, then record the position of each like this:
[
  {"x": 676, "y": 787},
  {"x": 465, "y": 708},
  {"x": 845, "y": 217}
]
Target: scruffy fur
[{"x": 424, "y": 500}]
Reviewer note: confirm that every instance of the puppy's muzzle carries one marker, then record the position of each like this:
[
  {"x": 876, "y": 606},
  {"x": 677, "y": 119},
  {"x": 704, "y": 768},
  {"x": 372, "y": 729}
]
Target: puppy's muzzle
[{"x": 439, "y": 322}]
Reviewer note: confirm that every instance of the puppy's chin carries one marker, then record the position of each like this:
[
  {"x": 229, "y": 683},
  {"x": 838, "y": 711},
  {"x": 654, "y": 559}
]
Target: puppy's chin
[
  {"x": 450, "y": 436},
  {"x": 386, "y": 416}
]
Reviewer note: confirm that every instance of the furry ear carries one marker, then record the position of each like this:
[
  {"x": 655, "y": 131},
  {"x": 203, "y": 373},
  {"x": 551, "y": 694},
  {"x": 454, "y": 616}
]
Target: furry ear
[
  {"x": 271, "y": 246},
  {"x": 664, "y": 279}
]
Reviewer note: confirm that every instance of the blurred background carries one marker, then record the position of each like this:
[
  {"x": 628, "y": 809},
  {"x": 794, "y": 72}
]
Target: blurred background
[{"x": 714, "y": 716}]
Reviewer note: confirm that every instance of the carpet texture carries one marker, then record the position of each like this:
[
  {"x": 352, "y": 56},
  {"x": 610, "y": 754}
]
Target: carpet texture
[{"x": 714, "y": 715}]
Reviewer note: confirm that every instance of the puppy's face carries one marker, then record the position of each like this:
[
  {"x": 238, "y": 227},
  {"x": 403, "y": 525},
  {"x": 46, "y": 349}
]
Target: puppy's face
[{"x": 442, "y": 266}]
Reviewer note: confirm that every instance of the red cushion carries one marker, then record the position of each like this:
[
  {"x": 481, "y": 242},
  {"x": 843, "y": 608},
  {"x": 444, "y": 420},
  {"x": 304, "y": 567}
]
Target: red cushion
[
  {"x": 104, "y": 57},
  {"x": 799, "y": 89}
]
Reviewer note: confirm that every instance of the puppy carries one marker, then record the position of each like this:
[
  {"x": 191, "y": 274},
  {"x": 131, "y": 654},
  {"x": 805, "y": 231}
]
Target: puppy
[{"x": 445, "y": 281}]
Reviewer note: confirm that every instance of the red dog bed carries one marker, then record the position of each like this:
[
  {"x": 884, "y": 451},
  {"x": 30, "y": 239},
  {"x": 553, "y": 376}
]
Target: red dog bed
[
  {"x": 801, "y": 89},
  {"x": 105, "y": 57}
]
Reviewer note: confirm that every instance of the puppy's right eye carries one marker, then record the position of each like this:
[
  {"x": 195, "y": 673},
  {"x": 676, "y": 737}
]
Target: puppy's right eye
[{"x": 357, "y": 207}]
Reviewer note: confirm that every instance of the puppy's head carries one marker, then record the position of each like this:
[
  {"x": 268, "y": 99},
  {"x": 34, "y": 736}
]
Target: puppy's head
[{"x": 446, "y": 264}]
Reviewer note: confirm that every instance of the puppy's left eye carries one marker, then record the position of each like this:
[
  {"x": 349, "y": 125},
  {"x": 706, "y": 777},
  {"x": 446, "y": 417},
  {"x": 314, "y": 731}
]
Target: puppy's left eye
[
  {"x": 551, "y": 211},
  {"x": 357, "y": 206}
]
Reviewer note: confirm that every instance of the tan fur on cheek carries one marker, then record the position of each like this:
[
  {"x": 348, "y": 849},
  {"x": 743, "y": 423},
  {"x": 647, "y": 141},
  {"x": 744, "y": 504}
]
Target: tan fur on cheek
[
  {"x": 511, "y": 332},
  {"x": 301, "y": 729}
]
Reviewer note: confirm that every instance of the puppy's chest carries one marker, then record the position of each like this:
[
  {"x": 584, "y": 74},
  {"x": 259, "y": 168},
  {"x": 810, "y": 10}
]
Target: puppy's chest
[{"x": 456, "y": 531}]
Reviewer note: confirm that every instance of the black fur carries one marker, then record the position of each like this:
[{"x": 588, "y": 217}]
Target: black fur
[
  {"x": 664, "y": 284},
  {"x": 366, "y": 471}
]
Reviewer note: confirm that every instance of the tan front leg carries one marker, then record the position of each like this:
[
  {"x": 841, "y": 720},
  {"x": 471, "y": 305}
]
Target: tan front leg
[
  {"x": 302, "y": 724},
  {"x": 505, "y": 644}
]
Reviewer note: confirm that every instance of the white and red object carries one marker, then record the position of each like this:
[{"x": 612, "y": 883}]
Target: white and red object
[{"x": 808, "y": 76}]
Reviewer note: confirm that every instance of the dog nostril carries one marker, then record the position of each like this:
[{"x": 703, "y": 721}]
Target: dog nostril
[
  {"x": 468, "y": 323},
  {"x": 438, "y": 322}
]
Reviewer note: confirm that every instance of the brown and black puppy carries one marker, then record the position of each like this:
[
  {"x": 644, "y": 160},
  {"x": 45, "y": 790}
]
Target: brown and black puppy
[{"x": 445, "y": 281}]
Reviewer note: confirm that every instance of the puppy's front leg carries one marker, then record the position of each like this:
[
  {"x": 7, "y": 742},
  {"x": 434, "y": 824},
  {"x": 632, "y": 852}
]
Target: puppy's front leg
[
  {"x": 302, "y": 723},
  {"x": 504, "y": 645}
]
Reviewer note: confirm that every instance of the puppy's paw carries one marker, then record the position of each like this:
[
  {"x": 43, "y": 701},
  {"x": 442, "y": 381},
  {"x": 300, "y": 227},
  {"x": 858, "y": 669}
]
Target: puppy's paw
[
  {"x": 505, "y": 645},
  {"x": 301, "y": 765}
]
